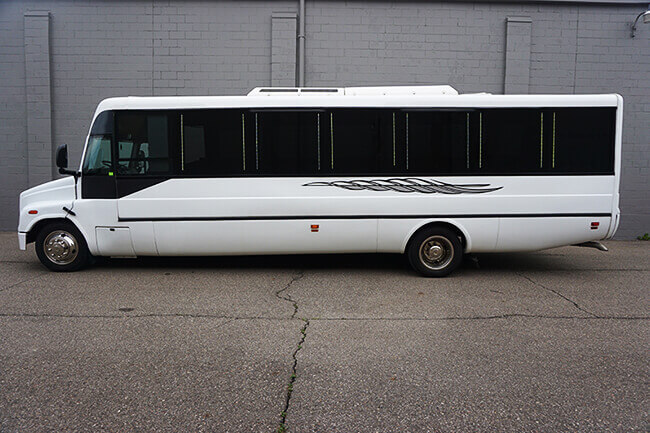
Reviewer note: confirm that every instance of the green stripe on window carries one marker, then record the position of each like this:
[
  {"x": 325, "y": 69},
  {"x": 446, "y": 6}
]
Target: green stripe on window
[
  {"x": 553, "y": 160},
  {"x": 243, "y": 142}
]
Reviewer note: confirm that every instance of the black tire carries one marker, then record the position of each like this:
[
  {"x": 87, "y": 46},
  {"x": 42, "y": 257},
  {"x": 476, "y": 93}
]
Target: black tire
[
  {"x": 435, "y": 251},
  {"x": 63, "y": 237}
]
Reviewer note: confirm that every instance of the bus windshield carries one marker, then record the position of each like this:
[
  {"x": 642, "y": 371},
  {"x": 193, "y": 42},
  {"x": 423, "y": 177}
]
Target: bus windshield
[{"x": 98, "y": 158}]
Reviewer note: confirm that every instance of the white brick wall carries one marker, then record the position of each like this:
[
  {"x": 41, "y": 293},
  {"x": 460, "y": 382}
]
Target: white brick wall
[{"x": 109, "y": 48}]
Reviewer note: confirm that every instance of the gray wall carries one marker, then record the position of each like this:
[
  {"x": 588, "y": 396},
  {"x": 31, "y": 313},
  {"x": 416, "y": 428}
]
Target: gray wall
[{"x": 98, "y": 49}]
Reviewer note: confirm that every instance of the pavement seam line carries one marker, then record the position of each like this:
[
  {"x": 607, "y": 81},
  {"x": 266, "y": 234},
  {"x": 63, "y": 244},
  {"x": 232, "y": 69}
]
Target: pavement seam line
[
  {"x": 139, "y": 316},
  {"x": 385, "y": 319},
  {"x": 16, "y": 261},
  {"x": 575, "y": 304},
  {"x": 288, "y": 298},
  {"x": 23, "y": 281},
  {"x": 282, "y": 427},
  {"x": 494, "y": 317}
]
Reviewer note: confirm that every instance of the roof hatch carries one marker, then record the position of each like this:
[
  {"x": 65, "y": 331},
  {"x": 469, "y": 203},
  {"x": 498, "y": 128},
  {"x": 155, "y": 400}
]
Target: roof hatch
[{"x": 355, "y": 91}]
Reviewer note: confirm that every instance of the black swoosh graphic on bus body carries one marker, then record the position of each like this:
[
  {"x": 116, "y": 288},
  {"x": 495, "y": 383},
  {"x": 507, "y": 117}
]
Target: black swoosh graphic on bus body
[{"x": 409, "y": 185}]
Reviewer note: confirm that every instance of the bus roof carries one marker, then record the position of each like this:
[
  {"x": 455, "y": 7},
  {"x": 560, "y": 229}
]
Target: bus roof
[{"x": 375, "y": 97}]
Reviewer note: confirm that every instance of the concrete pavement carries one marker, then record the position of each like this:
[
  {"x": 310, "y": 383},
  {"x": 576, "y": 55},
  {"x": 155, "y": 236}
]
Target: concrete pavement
[{"x": 549, "y": 341}]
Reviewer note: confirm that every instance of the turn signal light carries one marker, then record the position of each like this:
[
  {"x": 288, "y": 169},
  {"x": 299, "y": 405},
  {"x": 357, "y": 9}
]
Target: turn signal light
[
  {"x": 594, "y": 225},
  {"x": 32, "y": 212},
  {"x": 314, "y": 228}
]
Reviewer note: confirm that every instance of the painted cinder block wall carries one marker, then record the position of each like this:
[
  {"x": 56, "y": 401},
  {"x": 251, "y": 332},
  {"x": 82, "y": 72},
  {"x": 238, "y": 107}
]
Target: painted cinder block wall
[{"x": 59, "y": 59}]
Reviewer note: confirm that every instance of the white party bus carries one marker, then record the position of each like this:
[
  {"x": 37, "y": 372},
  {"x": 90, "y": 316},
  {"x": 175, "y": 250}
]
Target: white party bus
[{"x": 417, "y": 170}]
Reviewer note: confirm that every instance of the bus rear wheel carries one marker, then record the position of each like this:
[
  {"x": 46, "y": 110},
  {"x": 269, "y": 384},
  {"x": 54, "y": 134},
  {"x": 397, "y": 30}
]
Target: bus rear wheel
[
  {"x": 435, "y": 252},
  {"x": 61, "y": 247}
]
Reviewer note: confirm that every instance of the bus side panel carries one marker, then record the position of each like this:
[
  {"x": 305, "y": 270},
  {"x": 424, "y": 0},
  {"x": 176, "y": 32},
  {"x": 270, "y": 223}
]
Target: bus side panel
[
  {"x": 250, "y": 215},
  {"x": 94, "y": 213},
  {"x": 480, "y": 233},
  {"x": 179, "y": 238},
  {"x": 143, "y": 238},
  {"x": 531, "y": 234},
  {"x": 197, "y": 198}
]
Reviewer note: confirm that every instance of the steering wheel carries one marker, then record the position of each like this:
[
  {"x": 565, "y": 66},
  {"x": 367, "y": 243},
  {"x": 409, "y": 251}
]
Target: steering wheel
[{"x": 120, "y": 168}]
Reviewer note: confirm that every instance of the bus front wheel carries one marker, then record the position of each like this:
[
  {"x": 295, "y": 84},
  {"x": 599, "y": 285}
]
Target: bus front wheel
[
  {"x": 435, "y": 252},
  {"x": 61, "y": 247}
]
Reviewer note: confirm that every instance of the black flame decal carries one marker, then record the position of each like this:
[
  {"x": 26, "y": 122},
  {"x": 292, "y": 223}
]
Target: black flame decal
[{"x": 408, "y": 185}]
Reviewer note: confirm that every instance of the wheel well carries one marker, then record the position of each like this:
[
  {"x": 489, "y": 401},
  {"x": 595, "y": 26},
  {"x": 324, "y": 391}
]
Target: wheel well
[
  {"x": 33, "y": 232},
  {"x": 444, "y": 224}
]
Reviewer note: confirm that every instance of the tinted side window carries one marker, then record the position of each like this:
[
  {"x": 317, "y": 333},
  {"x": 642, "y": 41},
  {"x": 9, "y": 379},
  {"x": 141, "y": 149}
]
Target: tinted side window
[
  {"x": 361, "y": 141},
  {"x": 288, "y": 142},
  {"x": 581, "y": 140},
  {"x": 143, "y": 142},
  {"x": 511, "y": 141},
  {"x": 103, "y": 124},
  {"x": 213, "y": 142},
  {"x": 436, "y": 142}
]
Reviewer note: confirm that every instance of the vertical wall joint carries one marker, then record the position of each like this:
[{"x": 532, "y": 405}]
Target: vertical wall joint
[
  {"x": 518, "y": 41},
  {"x": 38, "y": 97},
  {"x": 283, "y": 48}
]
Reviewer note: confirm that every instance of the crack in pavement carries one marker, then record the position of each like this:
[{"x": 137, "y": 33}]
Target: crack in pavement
[
  {"x": 288, "y": 298},
  {"x": 575, "y": 304},
  {"x": 282, "y": 294},
  {"x": 282, "y": 427}
]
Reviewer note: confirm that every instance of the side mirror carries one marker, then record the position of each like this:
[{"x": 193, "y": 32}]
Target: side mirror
[
  {"x": 62, "y": 157},
  {"x": 62, "y": 160}
]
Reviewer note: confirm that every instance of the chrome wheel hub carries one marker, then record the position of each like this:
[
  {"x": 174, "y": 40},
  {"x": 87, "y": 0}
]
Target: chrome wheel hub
[
  {"x": 436, "y": 252},
  {"x": 60, "y": 247}
]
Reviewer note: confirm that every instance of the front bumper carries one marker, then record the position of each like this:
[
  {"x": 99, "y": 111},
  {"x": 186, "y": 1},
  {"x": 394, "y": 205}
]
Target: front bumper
[{"x": 22, "y": 240}]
